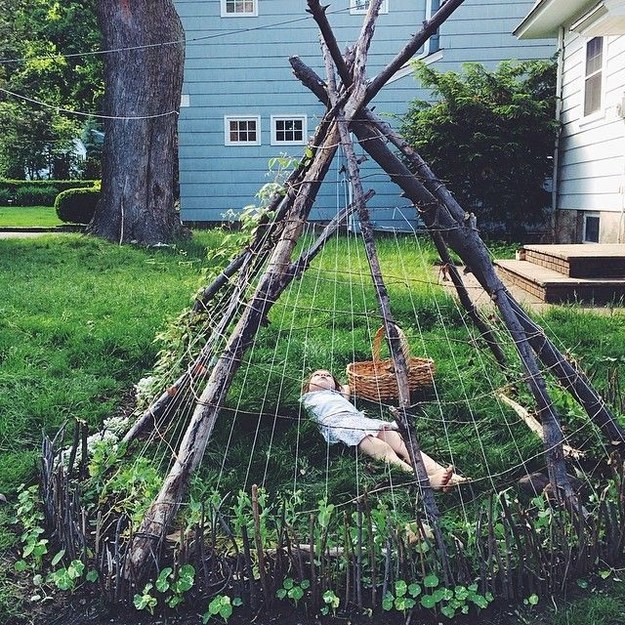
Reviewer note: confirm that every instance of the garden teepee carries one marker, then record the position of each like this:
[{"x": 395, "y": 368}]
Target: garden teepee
[
  {"x": 233, "y": 310},
  {"x": 346, "y": 92}
]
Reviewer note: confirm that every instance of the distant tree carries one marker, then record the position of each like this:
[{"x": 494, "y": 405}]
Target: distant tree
[
  {"x": 490, "y": 136},
  {"x": 142, "y": 100},
  {"x": 45, "y": 46},
  {"x": 92, "y": 138}
]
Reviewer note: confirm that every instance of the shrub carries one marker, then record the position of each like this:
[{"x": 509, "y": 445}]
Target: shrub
[
  {"x": 76, "y": 205},
  {"x": 491, "y": 135},
  {"x": 31, "y": 195},
  {"x": 11, "y": 186},
  {"x": 6, "y": 197}
]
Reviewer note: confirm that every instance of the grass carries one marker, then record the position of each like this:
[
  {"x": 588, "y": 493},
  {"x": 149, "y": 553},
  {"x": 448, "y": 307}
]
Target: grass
[
  {"x": 79, "y": 316},
  {"x": 77, "y": 326},
  {"x": 29, "y": 217}
]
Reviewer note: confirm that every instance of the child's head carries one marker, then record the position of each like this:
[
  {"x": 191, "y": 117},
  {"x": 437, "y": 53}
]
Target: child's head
[{"x": 321, "y": 380}]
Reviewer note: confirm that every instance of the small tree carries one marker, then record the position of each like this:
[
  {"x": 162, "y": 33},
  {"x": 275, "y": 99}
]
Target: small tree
[{"x": 490, "y": 137}]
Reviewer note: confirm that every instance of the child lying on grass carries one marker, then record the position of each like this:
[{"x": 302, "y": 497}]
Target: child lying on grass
[{"x": 326, "y": 400}]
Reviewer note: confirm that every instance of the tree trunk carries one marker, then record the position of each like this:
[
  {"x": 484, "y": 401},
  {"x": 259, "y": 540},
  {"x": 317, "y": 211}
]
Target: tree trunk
[{"x": 143, "y": 75}]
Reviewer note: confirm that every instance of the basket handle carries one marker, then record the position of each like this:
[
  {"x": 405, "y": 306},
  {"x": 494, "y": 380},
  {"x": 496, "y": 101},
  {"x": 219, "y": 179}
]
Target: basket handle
[{"x": 377, "y": 343}]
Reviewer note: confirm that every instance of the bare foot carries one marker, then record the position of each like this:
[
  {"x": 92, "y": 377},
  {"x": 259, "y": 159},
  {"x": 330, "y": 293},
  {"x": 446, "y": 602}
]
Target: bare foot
[
  {"x": 440, "y": 479},
  {"x": 455, "y": 480}
]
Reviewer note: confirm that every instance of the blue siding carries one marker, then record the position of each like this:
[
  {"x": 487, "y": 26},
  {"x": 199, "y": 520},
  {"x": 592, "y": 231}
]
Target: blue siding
[{"x": 239, "y": 66}]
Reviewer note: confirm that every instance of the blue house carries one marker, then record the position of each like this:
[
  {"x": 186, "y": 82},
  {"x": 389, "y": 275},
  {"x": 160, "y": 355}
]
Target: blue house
[{"x": 242, "y": 106}]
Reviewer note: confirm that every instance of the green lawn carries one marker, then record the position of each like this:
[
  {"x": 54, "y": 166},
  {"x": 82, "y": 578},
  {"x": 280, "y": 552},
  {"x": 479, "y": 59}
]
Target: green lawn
[
  {"x": 28, "y": 217},
  {"x": 79, "y": 316}
]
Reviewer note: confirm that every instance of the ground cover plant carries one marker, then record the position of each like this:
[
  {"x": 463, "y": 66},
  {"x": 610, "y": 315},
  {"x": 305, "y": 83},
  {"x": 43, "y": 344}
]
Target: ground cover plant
[
  {"x": 29, "y": 217},
  {"x": 82, "y": 356}
]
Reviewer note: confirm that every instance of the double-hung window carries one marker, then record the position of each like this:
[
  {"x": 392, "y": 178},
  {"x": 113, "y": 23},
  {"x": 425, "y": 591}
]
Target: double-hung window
[
  {"x": 288, "y": 129},
  {"x": 593, "y": 75},
  {"x": 362, "y": 6},
  {"x": 239, "y": 8},
  {"x": 242, "y": 130}
]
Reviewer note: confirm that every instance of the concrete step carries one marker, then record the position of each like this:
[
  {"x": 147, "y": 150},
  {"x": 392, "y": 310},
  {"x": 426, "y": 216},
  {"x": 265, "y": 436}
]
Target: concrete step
[
  {"x": 553, "y": 287},
  {"x": 592, "y": 260}
]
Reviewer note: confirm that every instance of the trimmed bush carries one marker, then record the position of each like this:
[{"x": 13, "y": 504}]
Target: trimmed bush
[
  {"x": 76, "y": 206},
  {"x": 9, "y": 188},
  {"x": 6, "y": 197},
  {"x": 31, "y": 195}
]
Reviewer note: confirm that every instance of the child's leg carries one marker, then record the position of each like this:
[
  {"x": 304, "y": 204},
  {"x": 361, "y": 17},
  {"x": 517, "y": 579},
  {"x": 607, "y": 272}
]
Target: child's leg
[
  {"x": 381, "y": 450},
  {"x": 396, "y": 442},
  {"x": 439, "y": 475}
]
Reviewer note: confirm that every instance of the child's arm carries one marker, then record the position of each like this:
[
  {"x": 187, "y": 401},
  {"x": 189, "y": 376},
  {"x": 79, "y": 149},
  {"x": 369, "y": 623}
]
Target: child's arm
[{"x": 345, "y": 391}]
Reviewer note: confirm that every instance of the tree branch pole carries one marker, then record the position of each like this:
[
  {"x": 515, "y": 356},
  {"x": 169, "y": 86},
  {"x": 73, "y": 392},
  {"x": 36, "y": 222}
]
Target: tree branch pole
[
  {"x": 258, "y": 249},
  {"x": 465, "y": 299},
  {"x": 392, "y": 335},
  {"x": 195, "y": 372},
  {"x": 275, "y": 279},
  {"x": 428, "y": 28},
  {"x": 273, "y": 282},
  {"x": 311, "y": 80},
  {"x": 571, "y": 378},
  {"x": 574, "y": 381},
  {"x": 467, "y": 243}
]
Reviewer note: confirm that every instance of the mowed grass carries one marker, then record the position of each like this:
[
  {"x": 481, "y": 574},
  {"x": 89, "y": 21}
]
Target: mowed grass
[
  {"x": 29, "y": 217},
  {"x": 78, "y": 317}
]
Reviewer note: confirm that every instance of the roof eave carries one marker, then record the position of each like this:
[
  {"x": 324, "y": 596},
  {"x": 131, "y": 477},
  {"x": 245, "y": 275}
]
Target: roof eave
[{"x": 546, "y": 17}]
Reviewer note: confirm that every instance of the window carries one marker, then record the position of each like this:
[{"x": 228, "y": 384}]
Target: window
[
  {"x": 592, "y": 80},
  {"x": 432, "y": 45},
  {"x": 288, "y": 129},
  {"x": 239, "y": 8},
  {"x": 242, "y": 130},
  {"x": 361, "y": 6},
  {"x": 591, "y": 228}
]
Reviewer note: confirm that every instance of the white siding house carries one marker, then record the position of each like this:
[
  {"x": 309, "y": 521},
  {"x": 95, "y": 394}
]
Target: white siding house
[
  {"x": 242, "y": 106},
  {"x": 589, "y": 190}
]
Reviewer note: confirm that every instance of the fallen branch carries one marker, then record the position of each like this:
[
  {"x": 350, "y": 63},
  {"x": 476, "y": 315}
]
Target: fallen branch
[{"x": 533, "y": 424}]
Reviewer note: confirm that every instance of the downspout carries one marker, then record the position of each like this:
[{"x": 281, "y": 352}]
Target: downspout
[
  {"x": 556, "y": 149},
  {"x": 621, "y": 113}
]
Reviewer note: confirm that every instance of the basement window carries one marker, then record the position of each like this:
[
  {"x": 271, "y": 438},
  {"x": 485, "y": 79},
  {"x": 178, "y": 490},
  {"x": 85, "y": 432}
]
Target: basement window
[
  {"x": 591, "y": 228},
  {"x": 289, "y": 129},
  {"x": 239, "y": 8},
  {"x": 242, "y": 130},
  {"x": 362, "y": 6},
  {"x": 593, "y": 75}
]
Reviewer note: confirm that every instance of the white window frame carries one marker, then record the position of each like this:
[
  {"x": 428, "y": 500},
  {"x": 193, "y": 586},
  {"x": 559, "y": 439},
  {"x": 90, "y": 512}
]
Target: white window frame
[
  {"x": 241, "y": 118},
  {"x": 596, "y": 216},
  {"x": 600, "y": 72},
  {"x": 277, "y": 118},
  {"x": 355, "y": 9},
  {"x": 253, "y": 13}
]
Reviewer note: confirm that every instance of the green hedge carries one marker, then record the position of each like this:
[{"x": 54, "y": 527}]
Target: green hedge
[
  {"x": 37, "y": 192},
  {"x": 76, "y": 206}
]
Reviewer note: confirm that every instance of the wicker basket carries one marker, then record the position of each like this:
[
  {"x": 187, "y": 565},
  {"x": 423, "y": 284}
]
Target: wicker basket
[{"x": 375, "y": 379}]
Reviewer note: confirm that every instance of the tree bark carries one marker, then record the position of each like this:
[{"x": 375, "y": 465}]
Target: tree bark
[{"x": 143, "y": 75}]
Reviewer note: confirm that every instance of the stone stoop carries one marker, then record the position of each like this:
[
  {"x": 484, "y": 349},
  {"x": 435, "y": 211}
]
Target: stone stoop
[{"x": 568, "y": 273}]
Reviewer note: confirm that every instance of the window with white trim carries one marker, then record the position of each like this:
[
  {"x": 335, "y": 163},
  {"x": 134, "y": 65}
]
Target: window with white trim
[
  {"x": 362, "y": 6},
  {"x": 239, "y": 8},
  {"x": 242, "y": 130},
  {"x": 288, "y": 129},
  {"x": 593, "y": 75},
  {"x": 433, "y": 43}
]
